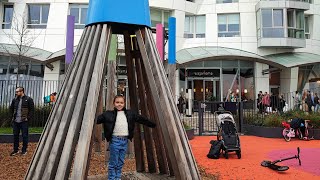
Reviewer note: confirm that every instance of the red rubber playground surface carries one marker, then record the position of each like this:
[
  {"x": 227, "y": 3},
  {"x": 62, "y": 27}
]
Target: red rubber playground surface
[{"x": 256, "y": 149}]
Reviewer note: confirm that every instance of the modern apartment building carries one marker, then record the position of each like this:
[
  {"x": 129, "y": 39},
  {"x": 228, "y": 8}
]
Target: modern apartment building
[{"x": 223, "y": 46}]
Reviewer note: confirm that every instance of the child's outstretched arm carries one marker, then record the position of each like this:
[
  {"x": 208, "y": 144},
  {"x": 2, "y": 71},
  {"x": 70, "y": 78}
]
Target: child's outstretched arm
[{"x": 145, "y": 121}]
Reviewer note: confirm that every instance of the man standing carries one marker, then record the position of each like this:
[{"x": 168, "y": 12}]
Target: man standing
[{"x": 22, "y": 108}]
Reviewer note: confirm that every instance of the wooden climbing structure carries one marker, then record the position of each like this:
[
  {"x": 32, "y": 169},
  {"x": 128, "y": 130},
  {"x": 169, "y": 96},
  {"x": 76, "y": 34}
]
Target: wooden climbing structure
[{"x": 64, "y": 148}]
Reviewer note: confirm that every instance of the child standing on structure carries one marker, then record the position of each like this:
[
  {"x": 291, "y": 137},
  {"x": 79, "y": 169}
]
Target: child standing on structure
[{"x": 118, "y": 128}]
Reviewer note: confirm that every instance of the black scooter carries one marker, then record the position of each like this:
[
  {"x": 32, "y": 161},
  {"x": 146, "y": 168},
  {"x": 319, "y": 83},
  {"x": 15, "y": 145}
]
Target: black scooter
[{"x": 272, "y": 165}]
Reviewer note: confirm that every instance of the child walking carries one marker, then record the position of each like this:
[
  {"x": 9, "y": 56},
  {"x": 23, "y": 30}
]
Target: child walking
[{"x": 118, "y": 128}]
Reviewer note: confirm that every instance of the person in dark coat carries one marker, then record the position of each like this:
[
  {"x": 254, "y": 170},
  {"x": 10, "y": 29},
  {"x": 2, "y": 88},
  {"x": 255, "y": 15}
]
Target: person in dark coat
[
  {"x": 119, "y": 127},
  {"x": 22, "y": 109},
  {"x": 181, "y": 102}
]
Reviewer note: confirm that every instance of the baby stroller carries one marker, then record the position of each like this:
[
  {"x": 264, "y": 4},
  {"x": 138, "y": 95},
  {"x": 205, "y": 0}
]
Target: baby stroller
[{"x": 227, "y": 132}]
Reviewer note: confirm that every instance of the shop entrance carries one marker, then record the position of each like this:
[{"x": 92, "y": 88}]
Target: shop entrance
[{"x": 205, "y": 89}]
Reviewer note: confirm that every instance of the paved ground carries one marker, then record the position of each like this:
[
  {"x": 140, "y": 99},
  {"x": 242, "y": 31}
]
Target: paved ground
[{"x": 256, "y": 149}]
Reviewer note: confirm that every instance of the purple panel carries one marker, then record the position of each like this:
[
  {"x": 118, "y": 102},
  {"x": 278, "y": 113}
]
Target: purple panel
[{"x": 69, "y": 39}]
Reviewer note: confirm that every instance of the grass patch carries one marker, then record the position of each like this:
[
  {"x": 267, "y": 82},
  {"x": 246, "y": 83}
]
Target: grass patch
[{"x": 8, "y": 130}]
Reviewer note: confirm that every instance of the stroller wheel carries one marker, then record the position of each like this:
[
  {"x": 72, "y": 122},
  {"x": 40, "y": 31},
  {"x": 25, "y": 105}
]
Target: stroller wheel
[
  {"x": 285, "y": 135},
  {"x": 239, "y": 154}
]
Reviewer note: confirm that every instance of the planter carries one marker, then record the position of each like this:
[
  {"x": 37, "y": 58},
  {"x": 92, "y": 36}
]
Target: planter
[
  {"x": 261, "y": 131},
  {"x": 8, "y": 138},
  {"x": 272, "y": 132},
  {"x": 190, "y": 133}
]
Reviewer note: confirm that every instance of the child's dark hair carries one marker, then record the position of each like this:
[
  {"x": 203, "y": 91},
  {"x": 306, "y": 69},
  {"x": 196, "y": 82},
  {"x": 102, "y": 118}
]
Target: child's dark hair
[{"x": 118, "y": 96}]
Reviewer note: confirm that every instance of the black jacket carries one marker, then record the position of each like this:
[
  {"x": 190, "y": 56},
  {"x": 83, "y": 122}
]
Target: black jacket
[
  {"x": 108, "y": 119},
  {"x": 27, "y": 108}
]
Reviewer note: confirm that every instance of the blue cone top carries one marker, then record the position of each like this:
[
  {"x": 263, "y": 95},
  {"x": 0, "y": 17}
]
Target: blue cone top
[{"x": 134, "y": 12}]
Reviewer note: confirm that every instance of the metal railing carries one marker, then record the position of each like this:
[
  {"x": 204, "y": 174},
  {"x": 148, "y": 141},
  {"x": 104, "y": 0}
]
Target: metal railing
[
  {"x": 204, "y": 122},
  {"x": 37, "y": 90}
]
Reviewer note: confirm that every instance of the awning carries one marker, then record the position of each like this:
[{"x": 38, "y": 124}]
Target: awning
[
  {"x": 282, "y": 60},
  {"x": 294, "y": 59},
  {"x": 27, "y": 52},
  {"x": 195, "y": 53}
]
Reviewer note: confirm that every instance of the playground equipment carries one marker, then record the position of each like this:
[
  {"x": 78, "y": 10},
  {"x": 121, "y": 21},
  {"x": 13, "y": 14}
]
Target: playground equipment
[
  {"x": 272, "y": 165},
  {"x": 68, "y": 133}
]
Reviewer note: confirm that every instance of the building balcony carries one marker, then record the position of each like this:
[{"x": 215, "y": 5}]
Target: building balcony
[
  {"x": 293, "y": 4},
  {"x": 281, "y": 43},
  {"x": 281, "y": 38}
]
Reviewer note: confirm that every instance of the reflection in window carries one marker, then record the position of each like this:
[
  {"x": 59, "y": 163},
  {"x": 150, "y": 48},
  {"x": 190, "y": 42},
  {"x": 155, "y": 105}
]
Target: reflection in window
[
  {"x": 159, "y": 17},
  {"x": 227, "y": 1},
  {"x": 79, "y": 11},
  {"x": 238, "y": 81},
  {"x": 9, "y": 66},
  {"x": 307, "y": 27},
  {"x": 295, "y": 23},
  {"x": 7, "y": 16},
  {"x": 38, "y": 16},
  {"x": 228, "y": 25},
  {"x": 272, "y": 23},
  {"x": 195, "y": 26}
]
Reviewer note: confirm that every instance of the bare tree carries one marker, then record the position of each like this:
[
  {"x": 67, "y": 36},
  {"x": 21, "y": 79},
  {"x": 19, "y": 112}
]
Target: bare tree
[{"x": 22, "y": 39}]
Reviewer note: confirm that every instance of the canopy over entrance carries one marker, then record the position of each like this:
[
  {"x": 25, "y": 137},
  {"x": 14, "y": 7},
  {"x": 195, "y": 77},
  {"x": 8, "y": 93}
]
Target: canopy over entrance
[{"x": 283, "y": 60}]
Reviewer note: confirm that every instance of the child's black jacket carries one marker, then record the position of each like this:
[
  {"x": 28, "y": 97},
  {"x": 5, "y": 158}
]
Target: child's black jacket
[{"x": 108, "y": 119}]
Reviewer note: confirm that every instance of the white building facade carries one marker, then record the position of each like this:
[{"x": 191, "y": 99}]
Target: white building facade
[{"x": 223, "y": 46}]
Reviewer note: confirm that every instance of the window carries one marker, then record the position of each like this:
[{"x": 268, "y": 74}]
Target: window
[
  {"x": 195, "y": 26},
  {"x": 272, "y": 23},
  {"x": 227, "y": 1},
  {"x": 307, "y": 27},
  {"x": 159, "y": 17},
  {"x": 228, "y": 25},
  {"x": 7, "y": 16},
  {"x": 296, "y": 24},
  {"x": 38, "y": 16},
  {"x": 79, "y": 11}
]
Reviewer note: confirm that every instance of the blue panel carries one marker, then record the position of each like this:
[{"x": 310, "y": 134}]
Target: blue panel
[
  {"x": 172, "y": 40},
  {"x": 120, "y": 11}
]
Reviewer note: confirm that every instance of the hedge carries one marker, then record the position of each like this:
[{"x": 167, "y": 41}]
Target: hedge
[
  {"x": 275, "y": 120},
  {"x": 40, "y": 116}
]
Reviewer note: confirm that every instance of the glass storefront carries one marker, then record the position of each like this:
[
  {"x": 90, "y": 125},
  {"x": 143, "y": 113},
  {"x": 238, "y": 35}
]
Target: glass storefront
[
  {"x": 28, "y": 70},
  {"x": 227, "y": 80}
]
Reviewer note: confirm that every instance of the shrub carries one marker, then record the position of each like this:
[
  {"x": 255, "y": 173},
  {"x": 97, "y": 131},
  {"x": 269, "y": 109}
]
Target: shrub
[
  {"x": 40, "y": 116},
  {"x": 275, "y": 120},
  {"x": 186, "y": 126}
]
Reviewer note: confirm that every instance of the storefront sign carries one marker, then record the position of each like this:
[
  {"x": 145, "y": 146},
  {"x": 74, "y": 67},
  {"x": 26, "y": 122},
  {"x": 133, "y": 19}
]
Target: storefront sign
[{"x": 203, "y": 73}]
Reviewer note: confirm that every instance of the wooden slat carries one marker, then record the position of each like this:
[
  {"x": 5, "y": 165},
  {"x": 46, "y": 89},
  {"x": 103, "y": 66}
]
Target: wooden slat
[
  {"x": 111, "y": 88},
  {"x": 61, "y": 109},
  {"x": 161, "y": 155},
  {"x": 44, "y": 151},
  {"x": 158, "y": 97},
  {"x": 98, "y": 127},
  {"x": 148, "y": 137},
  {"x": 133, "y": 102},
  {"x": 183, "y": 137},
  {"x": 48, "y": 124},
  {"x": 81, "y": 158},
  {"x": 74, "y": 111},
  {"x": 186, "y": 147}
]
